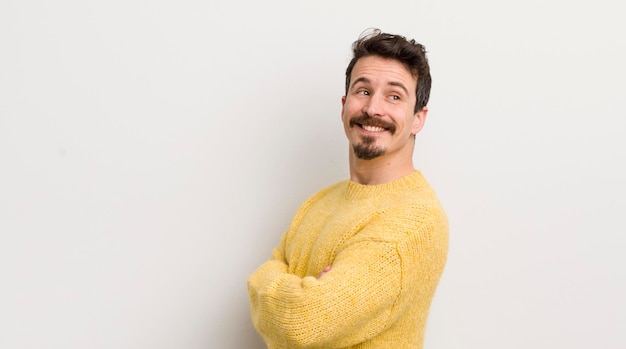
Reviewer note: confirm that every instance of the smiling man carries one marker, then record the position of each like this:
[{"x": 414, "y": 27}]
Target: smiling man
[{"x": 360, "y": 262}]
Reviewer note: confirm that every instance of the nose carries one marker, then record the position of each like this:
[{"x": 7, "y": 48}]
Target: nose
[{"x": 374, "y": 106}]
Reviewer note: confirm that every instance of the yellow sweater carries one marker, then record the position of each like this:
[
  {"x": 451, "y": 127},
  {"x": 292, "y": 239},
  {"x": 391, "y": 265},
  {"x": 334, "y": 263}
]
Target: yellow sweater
[{"x": 387, "y": 245}]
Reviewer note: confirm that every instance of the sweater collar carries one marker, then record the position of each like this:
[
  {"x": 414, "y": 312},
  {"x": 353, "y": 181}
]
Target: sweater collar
[{"x": 356, "y": 191}]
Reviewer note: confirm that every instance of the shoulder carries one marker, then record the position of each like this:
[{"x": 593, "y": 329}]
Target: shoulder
[
  {"x": 321, "y": 197},
  {"x": 406, "y": 222},
  {"x": 326, "y": 193}
]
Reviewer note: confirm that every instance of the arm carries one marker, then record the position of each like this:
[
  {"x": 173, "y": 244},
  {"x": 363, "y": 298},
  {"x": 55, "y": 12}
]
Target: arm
[
  {"x": 390, "y": 265},
  {"x": 350, "y": 303}
]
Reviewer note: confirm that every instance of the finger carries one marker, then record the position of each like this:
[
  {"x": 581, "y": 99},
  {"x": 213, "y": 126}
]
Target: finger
[{"x": 326, "y": 270}]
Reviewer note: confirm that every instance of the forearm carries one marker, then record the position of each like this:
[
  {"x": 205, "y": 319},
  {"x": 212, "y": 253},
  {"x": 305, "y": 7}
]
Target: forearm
[{"x": 350, "y": 303}]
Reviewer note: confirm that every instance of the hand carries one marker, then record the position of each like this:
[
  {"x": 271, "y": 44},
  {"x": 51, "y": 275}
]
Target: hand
[{"x": 326, "y": 270}]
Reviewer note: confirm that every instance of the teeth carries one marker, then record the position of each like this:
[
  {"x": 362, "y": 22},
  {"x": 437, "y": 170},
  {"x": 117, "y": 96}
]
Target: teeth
[{"x": 373, "y": 128}]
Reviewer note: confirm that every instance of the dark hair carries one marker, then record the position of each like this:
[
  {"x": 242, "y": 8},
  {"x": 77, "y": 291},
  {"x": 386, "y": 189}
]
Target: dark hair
[{"x": 373, "y": 42}]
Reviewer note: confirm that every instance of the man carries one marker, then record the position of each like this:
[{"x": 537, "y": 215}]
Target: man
[{"x": 361, "y": 260}]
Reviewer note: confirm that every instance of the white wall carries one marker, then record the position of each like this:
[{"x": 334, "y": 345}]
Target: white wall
[{"x": 152, "y": 153}]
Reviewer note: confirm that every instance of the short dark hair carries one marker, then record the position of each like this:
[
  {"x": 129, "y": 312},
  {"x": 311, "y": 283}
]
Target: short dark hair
[{"x": 373, "y": 42}]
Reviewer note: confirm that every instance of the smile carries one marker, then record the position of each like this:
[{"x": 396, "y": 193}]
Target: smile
[
  {"x": 371, "y": 125},
  {"x": 371, "y": 128}
]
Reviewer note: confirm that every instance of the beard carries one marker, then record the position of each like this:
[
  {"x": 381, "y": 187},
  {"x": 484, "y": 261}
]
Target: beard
[{"x": 367, "y": 149}]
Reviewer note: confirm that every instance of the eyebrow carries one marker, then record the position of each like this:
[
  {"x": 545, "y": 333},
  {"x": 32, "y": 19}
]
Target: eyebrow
[{"x": 392, "y": 83}]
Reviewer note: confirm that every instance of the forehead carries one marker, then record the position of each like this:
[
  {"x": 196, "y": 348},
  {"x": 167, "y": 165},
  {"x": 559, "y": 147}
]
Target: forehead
[{"x": 381, "y": 70}]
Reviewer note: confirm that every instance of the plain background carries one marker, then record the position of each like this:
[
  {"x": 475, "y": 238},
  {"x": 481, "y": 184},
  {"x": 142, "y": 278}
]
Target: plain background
[{"x": 153, "y": 152}]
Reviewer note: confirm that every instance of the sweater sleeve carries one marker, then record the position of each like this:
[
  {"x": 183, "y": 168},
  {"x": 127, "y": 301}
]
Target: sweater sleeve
[
  {"x": 391, "y": 264},
  {"x": 351, "y": 303}
]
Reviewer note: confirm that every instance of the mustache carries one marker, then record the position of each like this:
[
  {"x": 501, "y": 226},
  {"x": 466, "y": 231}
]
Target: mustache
[{"x": 365, "y": 119}]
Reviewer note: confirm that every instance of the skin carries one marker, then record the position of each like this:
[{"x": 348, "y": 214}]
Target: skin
[
  {"x": 326, "y": 270},
  {"x": 381, "y": 93},
  {"x": 383, "y": 89}
]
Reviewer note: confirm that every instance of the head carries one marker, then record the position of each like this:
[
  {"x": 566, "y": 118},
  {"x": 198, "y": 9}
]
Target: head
[
  {"x": 387, "y": 89},
  {"x": 408, "y": 52}
]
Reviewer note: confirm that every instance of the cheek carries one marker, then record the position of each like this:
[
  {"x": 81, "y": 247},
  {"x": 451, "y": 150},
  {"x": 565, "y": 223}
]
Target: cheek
[
  {"x": 346, "y": 124},
  {"x": 351, "y": 105},
  {"x": 347, "y": 111}
]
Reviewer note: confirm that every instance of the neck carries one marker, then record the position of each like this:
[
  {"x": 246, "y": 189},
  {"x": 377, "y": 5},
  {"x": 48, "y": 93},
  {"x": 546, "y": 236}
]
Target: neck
[{"x": 379, "y": 170}]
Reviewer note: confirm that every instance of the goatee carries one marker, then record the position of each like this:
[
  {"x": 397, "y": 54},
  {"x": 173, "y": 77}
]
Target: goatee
[{"x": 367, "y": 150}]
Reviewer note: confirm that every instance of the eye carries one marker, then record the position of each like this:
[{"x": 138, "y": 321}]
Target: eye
[
  {"x": 395, "y": 97},
  {"x": 363, "y": 92}
]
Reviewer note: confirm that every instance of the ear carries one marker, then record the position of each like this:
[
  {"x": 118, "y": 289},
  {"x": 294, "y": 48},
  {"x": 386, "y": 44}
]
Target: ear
[
  {"x": 343, "y": 103},
  {"x": 419, "y": 120}
]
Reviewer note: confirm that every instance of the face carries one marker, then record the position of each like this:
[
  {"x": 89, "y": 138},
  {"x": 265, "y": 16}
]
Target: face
[{"x": 377, "y": 111}]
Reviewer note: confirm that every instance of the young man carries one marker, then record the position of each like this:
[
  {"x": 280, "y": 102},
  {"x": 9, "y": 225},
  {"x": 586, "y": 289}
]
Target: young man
[{"x": 361, "y": 260}]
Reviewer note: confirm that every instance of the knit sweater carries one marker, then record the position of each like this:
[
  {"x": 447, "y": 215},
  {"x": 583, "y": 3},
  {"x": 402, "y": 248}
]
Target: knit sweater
[{"x": 387, "y": 245}]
